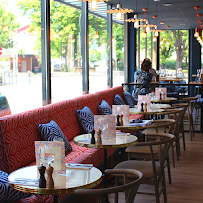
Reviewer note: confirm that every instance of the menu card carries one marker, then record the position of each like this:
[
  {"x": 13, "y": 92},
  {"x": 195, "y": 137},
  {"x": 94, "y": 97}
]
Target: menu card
[
  {"x": 121, "y": 109},
  {"x": 51, "y": 152},
  {"x": 144, "y": 99},
  {"x": 106, "y": 123},
  {"x": 162, "y": 90}
]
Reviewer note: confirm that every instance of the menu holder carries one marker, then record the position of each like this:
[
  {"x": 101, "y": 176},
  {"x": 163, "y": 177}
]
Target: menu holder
[
  {"x": 144, "y": 99},
  {"x": 121, "y": 109},
  {"x": 106, "y": 123},
  {"x": 58, "y": 151},
  {"x": 162, "y": 90}
]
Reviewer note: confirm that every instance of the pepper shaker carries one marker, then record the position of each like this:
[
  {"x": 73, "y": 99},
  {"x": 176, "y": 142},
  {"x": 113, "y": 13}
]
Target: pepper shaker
[
  {"x": 93, "y": 138},
  {"x": 118, "y": 120},
  {"x": 42, "y": 180},
  {"x": 142, "y": 107}
]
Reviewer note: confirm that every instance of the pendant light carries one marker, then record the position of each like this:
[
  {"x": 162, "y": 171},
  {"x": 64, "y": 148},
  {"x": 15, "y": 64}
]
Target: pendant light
[
  {"x": 144, "y": 34},
  {"x": 156, "y": 33},
  {"x": 119, "y": 11},
  {"x": 167, "y": 43},
  {"x": 94, "y": 3},
  {"x": 196, "y": 32},
  {"x": 161, "y": 29}
]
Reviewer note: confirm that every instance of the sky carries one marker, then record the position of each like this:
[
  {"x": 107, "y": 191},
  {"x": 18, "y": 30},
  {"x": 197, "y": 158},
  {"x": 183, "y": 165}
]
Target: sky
[{"x": 23, "y": 20}]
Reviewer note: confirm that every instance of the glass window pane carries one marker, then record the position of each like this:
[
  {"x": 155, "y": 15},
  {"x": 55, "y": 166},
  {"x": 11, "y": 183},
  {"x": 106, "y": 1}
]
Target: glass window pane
[
  {"x": 118, "y": 54},
  {"x": 20, "y": 62},
  {"x": 97, "y": 51},
  {"x": 174, "y": 54},
  {"x": 66, "y": 66}
]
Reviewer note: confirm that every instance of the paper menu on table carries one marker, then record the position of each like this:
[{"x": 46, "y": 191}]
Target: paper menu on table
[{"x": 121, "y": 109}]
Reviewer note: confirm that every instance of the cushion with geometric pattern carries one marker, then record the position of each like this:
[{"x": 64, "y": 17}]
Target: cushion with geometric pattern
[
  {"x": 104, "y": 108},
  {"x": 86, "y": 119},
  {"x": 129, "y": 99},
  {"x": 49, "y": 131},
  {"x": 7, "y": 193},
  {"x": 118, "y": 100}
]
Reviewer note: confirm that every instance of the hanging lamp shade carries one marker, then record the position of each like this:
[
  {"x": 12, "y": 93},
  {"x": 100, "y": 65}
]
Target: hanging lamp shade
[
  {"x": 94, "y": 3},
  {"x": 196, "y": 31},
  {"x": 119, "y": 11}
]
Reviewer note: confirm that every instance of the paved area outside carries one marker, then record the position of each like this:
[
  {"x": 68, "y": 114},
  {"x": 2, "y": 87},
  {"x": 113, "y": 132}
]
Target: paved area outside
[{"x": 26, "y": 92}]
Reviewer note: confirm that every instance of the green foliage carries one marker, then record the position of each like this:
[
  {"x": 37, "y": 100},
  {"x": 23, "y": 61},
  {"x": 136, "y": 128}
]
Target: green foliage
[
  {"x": 7, "y": 19},
  {"x": 21, "y": 51}
]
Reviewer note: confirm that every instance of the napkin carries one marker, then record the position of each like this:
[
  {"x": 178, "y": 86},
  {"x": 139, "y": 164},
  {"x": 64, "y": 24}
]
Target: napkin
[
  {"x": 144, "y": 122},
  {"x": 79, "y": 166}
]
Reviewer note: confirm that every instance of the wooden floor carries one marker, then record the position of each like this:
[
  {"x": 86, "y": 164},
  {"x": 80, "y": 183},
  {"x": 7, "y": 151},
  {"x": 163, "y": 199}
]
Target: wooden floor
[{"x": 187, "y": 178}]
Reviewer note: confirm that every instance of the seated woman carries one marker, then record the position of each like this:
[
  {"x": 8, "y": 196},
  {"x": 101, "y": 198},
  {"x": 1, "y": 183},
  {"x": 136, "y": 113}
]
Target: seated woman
[{"x": 143, "y": 77}]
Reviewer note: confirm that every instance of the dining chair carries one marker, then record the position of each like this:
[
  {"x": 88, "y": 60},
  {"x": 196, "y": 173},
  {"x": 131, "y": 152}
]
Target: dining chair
[
  {"x": 129, "y": 187},
  {"x": 176, "y": 114},
  {"x": 153, "y": 170},
  {"x": 144, "y": 151},
  {"x": 189, "y": 113}
]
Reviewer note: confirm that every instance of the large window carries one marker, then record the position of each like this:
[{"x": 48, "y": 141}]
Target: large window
[
  {"x": 118, "y": 54},
  {"x": 98, "y": 60},
  {"x": 66, "y": 61},
  {"x": 20, "y": 70},
  {"x": 174, "y": 53}
]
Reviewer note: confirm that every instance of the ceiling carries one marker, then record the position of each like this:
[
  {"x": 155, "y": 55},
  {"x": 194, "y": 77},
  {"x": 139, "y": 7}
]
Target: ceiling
[{"x": 179, "y": 15}]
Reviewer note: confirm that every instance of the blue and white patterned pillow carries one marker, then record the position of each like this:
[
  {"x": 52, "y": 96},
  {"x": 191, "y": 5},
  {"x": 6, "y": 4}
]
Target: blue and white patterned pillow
[
  {"x": 118, "y": 100},
  {"x": 129, "y": 100},
  {"x": 7, "y": 193},
  {"x": 104, "y": 108},
  {"x": 50, "y": 130},
  {"x": 86, "y": 119}
]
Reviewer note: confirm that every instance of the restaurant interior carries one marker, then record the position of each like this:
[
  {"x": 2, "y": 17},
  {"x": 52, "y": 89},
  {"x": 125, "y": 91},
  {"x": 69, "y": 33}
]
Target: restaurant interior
[{"x": 75, "y": 132}]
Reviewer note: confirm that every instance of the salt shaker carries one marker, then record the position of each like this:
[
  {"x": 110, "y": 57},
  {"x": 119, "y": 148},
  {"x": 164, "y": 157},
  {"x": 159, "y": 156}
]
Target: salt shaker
[
  {"x": 99, "y": 140},
  {"x": 50, "y": 181}
]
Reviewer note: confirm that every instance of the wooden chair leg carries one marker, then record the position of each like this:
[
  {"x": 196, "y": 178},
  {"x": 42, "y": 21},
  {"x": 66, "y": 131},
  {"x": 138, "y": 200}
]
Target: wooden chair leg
[
  {"x": 164, "y": 190},
  {"x": 169, "y": 170},
  {"x": 183, "y": 135},
  {"x": 172, "y": 153}
]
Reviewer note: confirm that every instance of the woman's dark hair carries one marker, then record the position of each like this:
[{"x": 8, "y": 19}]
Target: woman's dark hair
[{"x": 146, "y": 65}]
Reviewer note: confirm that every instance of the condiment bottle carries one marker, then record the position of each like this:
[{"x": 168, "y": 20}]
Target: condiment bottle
[
  {"x": 160, "y": 96},
  {"x": 42, "y": 180},
  {"x": 121, "y": 118},
  {"x": 142, "y": 107},
  {"x": 93, "y": 138},
  {"x": 145, "y": 107},
  {"x": 118, "y": 120},
  {"x": 99, "y": 140},
  {"x": 50, "y": 181}
]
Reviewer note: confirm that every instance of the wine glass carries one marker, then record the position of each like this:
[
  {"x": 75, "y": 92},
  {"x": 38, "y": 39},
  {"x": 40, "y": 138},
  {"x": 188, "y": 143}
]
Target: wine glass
[{"x": 47, "y": 155}]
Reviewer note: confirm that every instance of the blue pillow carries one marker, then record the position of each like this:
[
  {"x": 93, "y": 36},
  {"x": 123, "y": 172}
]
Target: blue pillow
[
  {"x": 86, "y": 119},
  {"x": 104, "y": 108},
  {"x": 129, "y": 100},
  {"x": 50, "y": 130},
  {"x": 7, "y": 193},
  {"x": 118, "y": 100}
]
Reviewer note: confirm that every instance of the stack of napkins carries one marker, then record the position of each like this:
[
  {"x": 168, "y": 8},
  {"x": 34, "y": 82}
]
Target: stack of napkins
[
  {"x": 144, "y": 122},
  {"x": 79, "y": 166},
  {"x": 25, "y": 181}
]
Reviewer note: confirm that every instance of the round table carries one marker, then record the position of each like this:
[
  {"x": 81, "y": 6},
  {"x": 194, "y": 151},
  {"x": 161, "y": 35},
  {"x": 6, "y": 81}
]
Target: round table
[
  {"x": 120, "y": 141},
  {"x": 167, "y": 99},
  {"x": 63, "y": 184}
]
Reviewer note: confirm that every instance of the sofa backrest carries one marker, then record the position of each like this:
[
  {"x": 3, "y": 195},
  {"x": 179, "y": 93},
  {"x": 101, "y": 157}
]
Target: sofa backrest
[
  {"x": 17, "y": 136},
  {"x": 64, "y": 114},
  {"x": 109, "y": 94}
]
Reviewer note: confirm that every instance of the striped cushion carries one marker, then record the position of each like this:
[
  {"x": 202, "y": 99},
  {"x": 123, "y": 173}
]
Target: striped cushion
[
  {"x": 104, "y": 108},
  {"x": 7, "y": 193},
  {"x": 118, "y": 100},
  {"x": 86, "y": 119},
  {"x": 128, "y": 98},
  {"x": 50, "y": 130}
]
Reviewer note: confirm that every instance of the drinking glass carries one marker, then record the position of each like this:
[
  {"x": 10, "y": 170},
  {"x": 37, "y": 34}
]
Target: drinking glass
[{"x": 47, "y": 155}]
